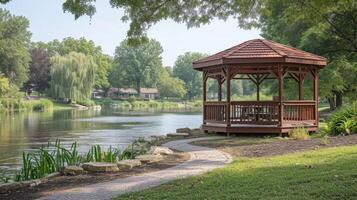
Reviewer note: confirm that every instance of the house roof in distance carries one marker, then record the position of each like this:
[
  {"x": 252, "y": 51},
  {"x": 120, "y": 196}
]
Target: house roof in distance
[
  {"x": 259, "y": 51},
  {"x": 149, "y": 91}
]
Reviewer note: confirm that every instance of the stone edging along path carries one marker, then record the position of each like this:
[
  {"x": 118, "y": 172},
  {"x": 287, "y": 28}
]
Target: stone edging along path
[{"x": 202, "y": 159}]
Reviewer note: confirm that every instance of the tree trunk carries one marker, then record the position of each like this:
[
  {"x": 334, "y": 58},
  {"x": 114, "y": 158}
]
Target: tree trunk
[
  {"x": 138, "y": 88},
  {"x": 331, "y": 101},
  {"x": 338, "y": 99}
]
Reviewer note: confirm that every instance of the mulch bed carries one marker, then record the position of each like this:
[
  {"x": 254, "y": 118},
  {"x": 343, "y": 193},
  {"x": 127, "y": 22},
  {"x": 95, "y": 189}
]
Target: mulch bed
[
  {"x": 67, "y": 182},
  {"x": 290, "y": 146}
]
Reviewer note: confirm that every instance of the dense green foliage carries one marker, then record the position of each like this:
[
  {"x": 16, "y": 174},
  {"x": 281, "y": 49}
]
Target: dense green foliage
[
  {"x": 133, "y": 104},
  {"x": 184, "y": 71},
  {"x": 343, "y": 121},
  {"x": 39, "y": 71},
  {"x": 86, "y": 47},
  {"x": 4, "y": 85},
  {"x": 139, "y": 66},
  {"x": 14, "y": 42},
  {"x": 72, "y": 76},
  {"x": 319, "y": 174},
  {"x": 17, "y": 104},
  {"x": 170, "y": 86},
  {"x": 325, "y": 28}
]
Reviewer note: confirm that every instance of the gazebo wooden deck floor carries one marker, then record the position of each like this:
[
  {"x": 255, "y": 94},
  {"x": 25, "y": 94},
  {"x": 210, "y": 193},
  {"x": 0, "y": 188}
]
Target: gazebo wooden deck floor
[{"x": 258, "y": 60}]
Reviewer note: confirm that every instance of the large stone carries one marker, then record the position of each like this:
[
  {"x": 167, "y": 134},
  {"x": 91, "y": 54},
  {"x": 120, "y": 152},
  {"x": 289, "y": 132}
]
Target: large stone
[
  {"x": 73, "y": 170},
  {"x": 100, "y": 167},
  {"x": 160, "y": 150},
  {"x": 149, "y": 158},
  {"x": 178, "y": 134},
  {"x": 128, "y": 164},
  {"x": 183, "y": 130}
]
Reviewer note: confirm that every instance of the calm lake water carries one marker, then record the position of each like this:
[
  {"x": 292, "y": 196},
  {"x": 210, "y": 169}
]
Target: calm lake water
[{"x": 28, "y": 131}]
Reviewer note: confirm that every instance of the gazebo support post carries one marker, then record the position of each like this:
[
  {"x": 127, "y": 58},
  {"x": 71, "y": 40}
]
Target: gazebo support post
[
  {"x": 280, "y": 97},
  {"x": 219, "y": 80},
  {"x": 258, "y": 98},
  {"x": 228, "y": 94},
  {"x": 300, "y": 87},
  {"x": 314, "y": 73},
  {"x": 204, "y": 98}
]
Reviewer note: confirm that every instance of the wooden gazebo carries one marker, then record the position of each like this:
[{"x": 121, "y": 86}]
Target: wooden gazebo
[{"x": 258, "y": 60}]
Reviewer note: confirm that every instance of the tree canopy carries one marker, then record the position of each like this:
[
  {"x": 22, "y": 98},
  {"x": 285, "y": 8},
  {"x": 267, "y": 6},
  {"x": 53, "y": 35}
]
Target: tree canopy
[
  {"x": 87, "y": 47},
  {"x": 170, "y": 86},
  {"x": 139, "y": 66},
  {"x": 72, "y": 76},
  {"x": 14, "y": 43},
  {"x": 39, "y": 73},
  {"x": 4, "y": 85},
  {"x": 184, "y": 71},
  {"x": 327, "y": 28}
]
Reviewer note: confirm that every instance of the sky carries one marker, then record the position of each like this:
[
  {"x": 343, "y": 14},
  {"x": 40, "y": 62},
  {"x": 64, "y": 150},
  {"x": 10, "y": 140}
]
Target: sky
[{"x": 49, "y": 22}]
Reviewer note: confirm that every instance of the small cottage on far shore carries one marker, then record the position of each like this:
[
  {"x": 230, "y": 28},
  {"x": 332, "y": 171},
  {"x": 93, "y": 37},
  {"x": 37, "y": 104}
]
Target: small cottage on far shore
[
  {"x": 125, "y": 93},
  {"x": 149, "y": 93}
]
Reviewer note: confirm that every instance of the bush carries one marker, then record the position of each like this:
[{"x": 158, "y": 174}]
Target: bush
[
  {"x": 86, "y": 102},
  {"x": 21, "y": 105},
  {"x": 299, "y": 133},
  {"x": 39, "y": 105},
  {"x": 106, "y": 102},
  {"x": 343, "y": 121},
  {"x": 132, "y": 99},
  {"x": 9, "y": 104}
]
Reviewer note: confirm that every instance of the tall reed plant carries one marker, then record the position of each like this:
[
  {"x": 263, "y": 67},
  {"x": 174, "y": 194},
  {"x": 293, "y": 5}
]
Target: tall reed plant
[{"x": 53, "y": 157}]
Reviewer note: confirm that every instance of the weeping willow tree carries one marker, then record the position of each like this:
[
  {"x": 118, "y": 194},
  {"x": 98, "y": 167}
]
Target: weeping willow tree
[{"x": 72, "y": 76}]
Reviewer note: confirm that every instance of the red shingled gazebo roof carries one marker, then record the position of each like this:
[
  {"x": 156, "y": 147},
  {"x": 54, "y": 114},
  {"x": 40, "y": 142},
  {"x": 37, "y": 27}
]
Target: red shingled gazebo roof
[{"x": 260, "y": 51}]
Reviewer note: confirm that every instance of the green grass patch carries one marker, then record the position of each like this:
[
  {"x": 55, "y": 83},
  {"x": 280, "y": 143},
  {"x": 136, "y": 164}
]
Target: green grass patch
[
  {"x": 323, "y": 106},
  {"x": 8, "y": 104},
  {"x": 134, "y": 104},
  {"x": 63, "y": 106},
  {"x": 235, "y": 141},
  {"x": 319, "y": 174}
]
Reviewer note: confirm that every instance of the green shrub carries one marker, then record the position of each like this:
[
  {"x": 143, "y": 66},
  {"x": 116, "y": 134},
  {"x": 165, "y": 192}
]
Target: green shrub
[
  {"x": 86, "y": 102},
  {"x": 343, "y": 121},
  {"x": 153, "y": 104},
  {"x": 125, "y": 104},
  {"x": 169, "y": 105},
  {"x": 299, "y": 133},
  {"x": 139, "y": 104},
  {"x": 131, "y": 99},
  {"x": 9, "y": 104},
  {"x": 39, "y": 105},
  {"x": 106, "y": 102}
]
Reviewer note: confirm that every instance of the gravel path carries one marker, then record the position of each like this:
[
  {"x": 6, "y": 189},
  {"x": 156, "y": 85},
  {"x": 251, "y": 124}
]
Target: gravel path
[{"x": 202, "y": 159}]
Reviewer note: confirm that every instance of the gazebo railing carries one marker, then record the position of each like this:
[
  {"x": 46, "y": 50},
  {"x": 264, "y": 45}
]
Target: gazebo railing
[
  {"x": 299, "y": 110},
  {"x": 215, "y": 112},
  {"x": 254, "y": 112},
  {"x": 260, "y": 112}
]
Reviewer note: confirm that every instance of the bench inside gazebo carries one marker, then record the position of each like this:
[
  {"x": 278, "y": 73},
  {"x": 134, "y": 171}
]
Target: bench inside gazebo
[{"x": 258, "y": 60}]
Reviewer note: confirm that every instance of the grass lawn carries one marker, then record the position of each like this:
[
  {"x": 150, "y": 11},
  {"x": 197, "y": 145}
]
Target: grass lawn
[
  {"x": 323, "y": 106},
  {"x": 319, "y": 174},
  {"x": 63, "y": 106}
]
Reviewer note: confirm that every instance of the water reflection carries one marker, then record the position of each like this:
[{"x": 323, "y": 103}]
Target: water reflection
[{"x": 27, "y": 131}]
